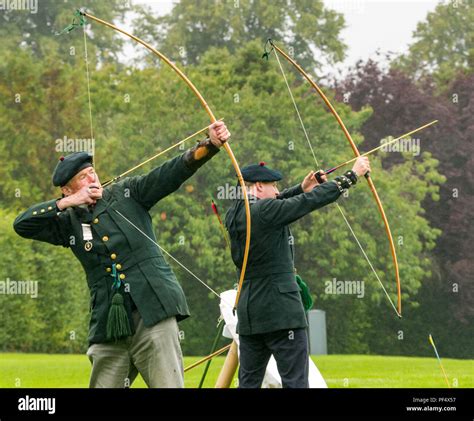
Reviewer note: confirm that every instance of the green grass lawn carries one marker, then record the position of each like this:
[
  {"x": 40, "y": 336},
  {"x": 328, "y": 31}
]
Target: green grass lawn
[{"x": 65, "y": 370}]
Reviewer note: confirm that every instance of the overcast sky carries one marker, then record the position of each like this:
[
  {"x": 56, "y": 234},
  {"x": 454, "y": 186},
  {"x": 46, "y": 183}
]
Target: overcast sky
[{"x": 385, "y": 25}]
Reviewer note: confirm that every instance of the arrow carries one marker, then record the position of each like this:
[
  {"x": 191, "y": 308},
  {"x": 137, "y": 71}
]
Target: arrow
[
  {"x": 209, "y": 357},
  {"x": 331, "y": 170},
  {"x": 439, "y": 360},
  {"x": 156, "y": 156},
  {"x": 221, "y": 225}
]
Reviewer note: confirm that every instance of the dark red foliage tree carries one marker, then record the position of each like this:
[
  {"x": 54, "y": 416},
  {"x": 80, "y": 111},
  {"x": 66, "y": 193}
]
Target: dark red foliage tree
[{"x": 401, "y": 104}]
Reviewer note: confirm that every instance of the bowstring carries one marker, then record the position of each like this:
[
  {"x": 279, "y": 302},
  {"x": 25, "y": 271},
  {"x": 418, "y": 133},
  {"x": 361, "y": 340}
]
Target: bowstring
[
  {"x": 86, "y": 59},
  {"x": 318, "y": 166},
  {"x": 173, "y": 258}
]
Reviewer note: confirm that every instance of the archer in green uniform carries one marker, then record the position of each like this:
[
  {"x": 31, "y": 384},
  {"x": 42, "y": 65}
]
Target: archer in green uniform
[
  {"x": 135, "y": 299},
  {"x": 271, "y": 316}
]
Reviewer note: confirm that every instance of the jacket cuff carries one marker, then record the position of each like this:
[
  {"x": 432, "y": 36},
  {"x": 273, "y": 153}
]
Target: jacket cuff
[{"x": 45, "y": 209}]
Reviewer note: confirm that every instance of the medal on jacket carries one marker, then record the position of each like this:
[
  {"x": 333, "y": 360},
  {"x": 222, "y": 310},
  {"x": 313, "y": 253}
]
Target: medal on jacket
[{"x": 87, "y": 236}]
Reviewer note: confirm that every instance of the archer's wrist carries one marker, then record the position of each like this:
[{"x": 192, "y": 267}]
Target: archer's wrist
[
  {"x": 200, "y": 154},
  {"x": 63, "y": 204},
  {"x": 305, "y": 189},
  {"x": 346, "y": 181}
]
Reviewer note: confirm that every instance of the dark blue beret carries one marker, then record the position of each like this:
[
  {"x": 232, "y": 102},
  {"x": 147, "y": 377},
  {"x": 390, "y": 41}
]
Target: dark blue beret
[
  {"x": 69, "y": 166},
  {"x": 260, "y": 172}
]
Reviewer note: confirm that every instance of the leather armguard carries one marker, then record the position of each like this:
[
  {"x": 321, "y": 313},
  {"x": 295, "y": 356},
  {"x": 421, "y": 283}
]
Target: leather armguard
[
  {"x": 199, "y": 154},
  {"x": 346, "y": 181}
]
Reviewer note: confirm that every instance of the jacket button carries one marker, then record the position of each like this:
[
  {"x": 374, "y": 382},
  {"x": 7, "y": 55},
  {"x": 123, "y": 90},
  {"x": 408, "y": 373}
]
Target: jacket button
[
  {"x": 50, "y": 208},
  {"x": 118, "y": 266},
  {"x": 108, "y": 270},
  {"x": 122, "y": 276},
  {"x": 105, "y": 238},
  {"x": 113, "y": 256},
  {"x": 42, "y": 210},
  {"x": 96, "y": 220},
  {"x": 35, "y": 213}
]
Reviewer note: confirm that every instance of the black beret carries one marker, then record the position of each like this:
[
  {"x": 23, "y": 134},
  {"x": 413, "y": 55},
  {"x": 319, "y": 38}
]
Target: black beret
[
  {"x": 69, "y": 166},
  {"x": 260, "y": 172}
]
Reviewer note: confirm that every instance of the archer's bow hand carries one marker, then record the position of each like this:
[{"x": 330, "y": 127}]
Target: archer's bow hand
[
  {"x": 218, "y": 133},
  {"x": 361, "y": 166}
]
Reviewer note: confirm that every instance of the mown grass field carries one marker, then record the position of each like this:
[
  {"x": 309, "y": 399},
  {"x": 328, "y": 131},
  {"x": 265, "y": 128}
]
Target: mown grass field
[{"x": 339, "y": 371}]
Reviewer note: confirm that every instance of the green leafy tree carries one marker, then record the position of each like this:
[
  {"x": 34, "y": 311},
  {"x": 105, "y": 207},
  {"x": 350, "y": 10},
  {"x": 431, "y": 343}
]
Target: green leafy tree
[
  {"x": 54, "y": 319},
  {"x": 193, "y": 27},
  {"x": 35, "y": 30},
  {"x": 444, "y": 44}
]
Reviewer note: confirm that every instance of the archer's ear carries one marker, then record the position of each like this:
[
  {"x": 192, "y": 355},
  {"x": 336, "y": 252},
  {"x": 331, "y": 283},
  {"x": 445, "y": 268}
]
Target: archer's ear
[{"x": 66, "y": 191}]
